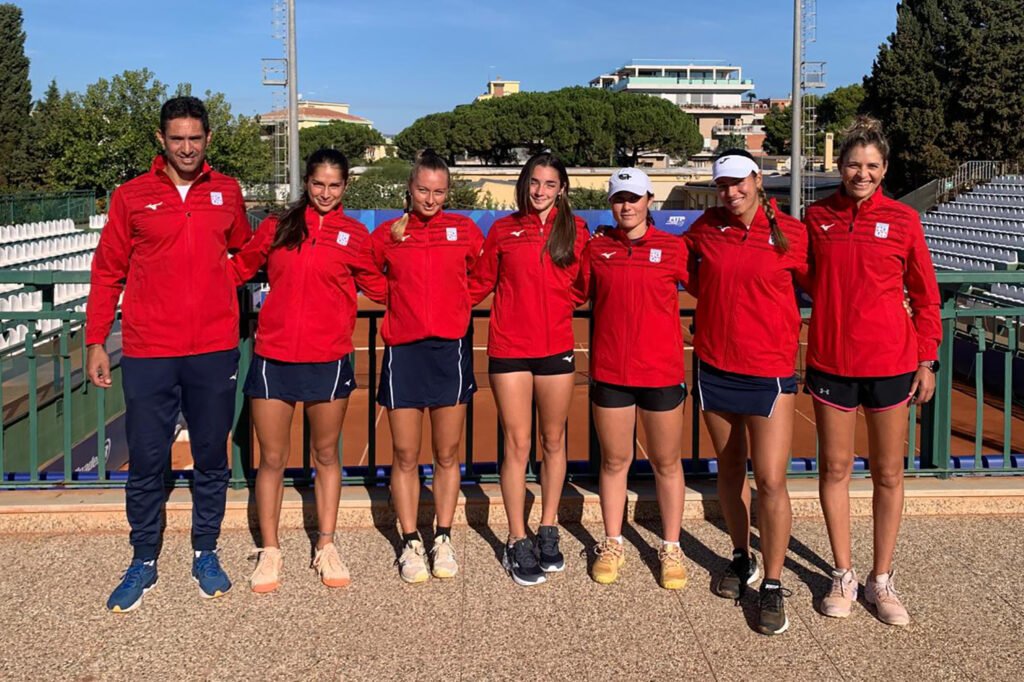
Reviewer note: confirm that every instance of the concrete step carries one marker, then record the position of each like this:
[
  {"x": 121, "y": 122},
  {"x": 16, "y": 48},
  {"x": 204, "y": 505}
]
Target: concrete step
[{"x": 84, "y": 510}]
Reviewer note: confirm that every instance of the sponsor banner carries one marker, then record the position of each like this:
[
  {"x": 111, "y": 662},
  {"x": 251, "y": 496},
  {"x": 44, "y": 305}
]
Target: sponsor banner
[{"x": 675, "y": 222}]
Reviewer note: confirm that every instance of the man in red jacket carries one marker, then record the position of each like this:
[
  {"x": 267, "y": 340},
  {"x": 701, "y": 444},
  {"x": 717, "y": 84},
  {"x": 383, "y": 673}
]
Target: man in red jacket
[{"x": 166, "y": 247}]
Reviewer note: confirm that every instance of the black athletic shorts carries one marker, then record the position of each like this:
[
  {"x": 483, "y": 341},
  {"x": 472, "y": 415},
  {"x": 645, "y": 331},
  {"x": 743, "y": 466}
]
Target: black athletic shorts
[
  {"x": 559, "y": 363},
  {"x": 848, "y": 393},
  {"x": 660, "y": 399}
]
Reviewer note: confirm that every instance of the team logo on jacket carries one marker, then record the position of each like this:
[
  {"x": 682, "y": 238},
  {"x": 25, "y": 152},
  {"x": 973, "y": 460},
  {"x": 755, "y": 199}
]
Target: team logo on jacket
[
  {"x": 343, "y": 238},
  {"x": 882, "y": 230},
  {"x": 216, "y": 198},
  {"x": 451, "y": 234},
  {"x": 655, "y": 255}
]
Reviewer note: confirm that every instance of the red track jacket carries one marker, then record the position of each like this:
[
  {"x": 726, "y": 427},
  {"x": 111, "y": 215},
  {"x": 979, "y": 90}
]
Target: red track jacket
[
  {"x": 747, "y": 318},
  {"x": 531, "y": 315},
  {"x": 171, "y": 259},
  {"x": 310, "y": 312},
  {"x": 638, "y": 337},
  {"x": 863, "y": 259},
  {"x": 427, "y": 276}
]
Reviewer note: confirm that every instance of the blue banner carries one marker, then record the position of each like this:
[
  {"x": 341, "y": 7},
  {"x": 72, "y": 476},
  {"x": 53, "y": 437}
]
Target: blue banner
[{"x": 675, "y": 222}]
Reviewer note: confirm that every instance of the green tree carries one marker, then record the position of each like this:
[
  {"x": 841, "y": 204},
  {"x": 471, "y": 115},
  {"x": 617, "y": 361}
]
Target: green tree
[
  {"x": 15, "y": 89},
  {"x": 462, "y": 195},
  {"x": 732, "y": 141},
  {"x": 114, "y": 123},
  {"x": 646, "y": 124},
  {"x": 583, "y": 198},
  {"x": 382, "y": 185},
  {"x": 350, "y": 139},
  {"x": 778, "y": 124},
  {"x": 946, "y": 86},
  {"x": 429, "y": 132},
  {"x": 837, "y": 109},
  {"x": 585, "y": 126}
]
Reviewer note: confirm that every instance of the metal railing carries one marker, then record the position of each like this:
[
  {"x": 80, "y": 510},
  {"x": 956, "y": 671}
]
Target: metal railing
[
  {"x": 969, "y": 174},
  {"x": 50, "y": 410},
  {"x": 28, "y": 207}
]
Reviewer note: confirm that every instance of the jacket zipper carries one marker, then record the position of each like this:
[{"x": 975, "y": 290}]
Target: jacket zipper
[{"x": 544, "y": 296}]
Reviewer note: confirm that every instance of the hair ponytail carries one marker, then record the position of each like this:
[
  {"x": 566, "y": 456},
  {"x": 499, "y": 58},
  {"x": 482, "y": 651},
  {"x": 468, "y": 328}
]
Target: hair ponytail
[
  {"x": 864, "y": 131},
  {"x": 778, "y": 236},
  {"x": 427, "y": 159}
]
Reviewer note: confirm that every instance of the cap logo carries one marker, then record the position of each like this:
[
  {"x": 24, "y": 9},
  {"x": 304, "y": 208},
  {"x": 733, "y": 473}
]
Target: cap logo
[{"x": 624, "y": 176}]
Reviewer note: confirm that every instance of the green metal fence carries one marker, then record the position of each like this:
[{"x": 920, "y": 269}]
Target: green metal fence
[
  {"x": 29, "y": 207},
  {"x": 49, "y": 408}
]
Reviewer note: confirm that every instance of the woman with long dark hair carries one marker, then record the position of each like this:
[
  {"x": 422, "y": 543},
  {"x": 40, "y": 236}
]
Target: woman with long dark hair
[
  {"x": 529, "y": 261},
  {"x": 315, "y": 257}
]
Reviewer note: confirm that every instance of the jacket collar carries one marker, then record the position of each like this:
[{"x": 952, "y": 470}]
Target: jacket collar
[
  {"x": 416, "y": 221},
  {"x": 532, "y": 216},
  {"x": 620, "y": 235},
  {"x": 844, "y": 202},
  {"x": 333, "y": 216}
]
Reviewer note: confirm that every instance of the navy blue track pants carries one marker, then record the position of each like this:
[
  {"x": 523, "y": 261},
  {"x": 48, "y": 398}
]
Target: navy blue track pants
[{"x": 202, "y": 387}]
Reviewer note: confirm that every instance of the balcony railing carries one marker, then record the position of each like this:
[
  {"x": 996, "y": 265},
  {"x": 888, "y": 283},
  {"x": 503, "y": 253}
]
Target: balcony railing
[
  {"x": 737, "y": 130},
  {"x": 50, "y": 410}
]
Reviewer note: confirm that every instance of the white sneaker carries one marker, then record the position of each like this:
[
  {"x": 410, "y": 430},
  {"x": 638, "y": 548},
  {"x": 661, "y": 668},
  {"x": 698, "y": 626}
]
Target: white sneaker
[
  {"x": 443, "y": 555},
  {"x": 412, "y": 563}
]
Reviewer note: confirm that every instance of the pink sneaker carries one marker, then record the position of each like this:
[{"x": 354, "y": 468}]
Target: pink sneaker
[
  {"x": 841, "y": 595},
  {"x": 881, "y": 593}
]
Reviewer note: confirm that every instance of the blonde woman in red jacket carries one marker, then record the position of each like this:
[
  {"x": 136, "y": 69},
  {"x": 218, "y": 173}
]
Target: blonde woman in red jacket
[
  {"x": 530, "y": 260},
  {"x": 426, "y": 256},
  {"x": 864, "y": 350},
  {"x": 744, "y": 258},
  {"x": 315, "y": 256},
  {"x": 631, "y": 273}
]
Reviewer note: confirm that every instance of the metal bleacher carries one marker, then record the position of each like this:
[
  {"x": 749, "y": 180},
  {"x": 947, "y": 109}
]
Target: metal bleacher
[
  {"x": 47, "y": 245},
  {"x": 980, "y": 230}
]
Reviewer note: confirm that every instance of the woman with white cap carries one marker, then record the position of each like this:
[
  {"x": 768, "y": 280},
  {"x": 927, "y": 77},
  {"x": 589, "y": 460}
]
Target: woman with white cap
[
  {"x": 631, "y": 272},
  {"x": 744, "y": 258}
]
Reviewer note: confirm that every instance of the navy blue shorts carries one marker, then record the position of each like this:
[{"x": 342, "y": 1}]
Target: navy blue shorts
[
  {"x": 299, "y": 381},
  {"x": 722, "y": 391},
  {"x": 428, "y": 373}
]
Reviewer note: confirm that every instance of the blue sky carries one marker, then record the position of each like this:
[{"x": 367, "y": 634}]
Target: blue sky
[{"x": 395, "y": 61}]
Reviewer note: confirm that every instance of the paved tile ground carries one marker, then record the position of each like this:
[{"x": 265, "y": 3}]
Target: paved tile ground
[{"x": 959, "y": 576}]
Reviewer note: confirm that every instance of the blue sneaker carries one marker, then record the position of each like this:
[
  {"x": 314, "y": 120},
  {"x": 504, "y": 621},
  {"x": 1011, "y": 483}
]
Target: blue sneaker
[
  {"x": 139, "y": 579},
  {"x": 206, "y": 570}
]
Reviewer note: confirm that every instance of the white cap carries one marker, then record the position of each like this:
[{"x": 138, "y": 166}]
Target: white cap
[
  {"x": 632, "y": 180},
  {"x": 733, "y": 166}
]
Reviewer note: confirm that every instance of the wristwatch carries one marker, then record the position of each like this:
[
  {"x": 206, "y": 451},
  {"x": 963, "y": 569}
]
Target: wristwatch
[{"x": 933, "y": 365}]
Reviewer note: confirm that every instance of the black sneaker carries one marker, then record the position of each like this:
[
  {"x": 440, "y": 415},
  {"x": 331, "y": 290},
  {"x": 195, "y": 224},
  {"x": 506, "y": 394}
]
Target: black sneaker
[
  {"x": 741, "y": 572},
  {"x": 771, "y": 616},
  {"x": 551, "y": 560},
  {"x": 521, "y": 563}
]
